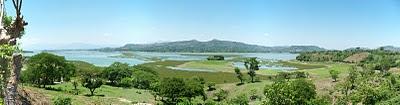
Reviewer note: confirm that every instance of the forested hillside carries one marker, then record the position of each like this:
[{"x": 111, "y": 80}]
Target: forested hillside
[{"x": 210, "y": 46}]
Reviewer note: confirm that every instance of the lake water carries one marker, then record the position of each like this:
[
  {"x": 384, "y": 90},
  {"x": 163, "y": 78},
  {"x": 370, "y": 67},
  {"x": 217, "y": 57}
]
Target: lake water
[{"x": 104, "y": 58}]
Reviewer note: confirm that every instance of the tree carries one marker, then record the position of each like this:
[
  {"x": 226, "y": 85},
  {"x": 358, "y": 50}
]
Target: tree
[
  {"x": 251, "y": 64},
  {"x": 334, "y": 74},
  {"x": 75, "y": 84},
  {"x": 91, "y": 82},
  {"x": 45, "y": 68},
  {"x": 143, "y": 80},
  {"x": 10, "y": 55},
  {"x": 294, "y": 92},
  {"x": 239, "y": 75},
  {"x": 116, "y": 71},
  {"x": 172, "y": 89}
]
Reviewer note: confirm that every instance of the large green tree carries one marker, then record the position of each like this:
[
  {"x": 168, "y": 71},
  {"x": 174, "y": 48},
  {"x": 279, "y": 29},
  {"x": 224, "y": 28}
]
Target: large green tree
[
  {"x": 116, "y": 71},
  {"x": 46, "y": 68}
]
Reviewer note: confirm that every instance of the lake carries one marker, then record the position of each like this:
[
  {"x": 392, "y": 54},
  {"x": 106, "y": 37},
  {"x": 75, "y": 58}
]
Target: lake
[{"x": 106, "y": 58}]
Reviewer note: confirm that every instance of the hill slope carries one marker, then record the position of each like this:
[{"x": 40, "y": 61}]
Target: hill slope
[{"x": 209, "y": 46}]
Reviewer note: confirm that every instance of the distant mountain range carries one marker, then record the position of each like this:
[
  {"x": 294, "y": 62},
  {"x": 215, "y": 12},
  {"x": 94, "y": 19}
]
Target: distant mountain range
[{"x": 210, "y": 46}]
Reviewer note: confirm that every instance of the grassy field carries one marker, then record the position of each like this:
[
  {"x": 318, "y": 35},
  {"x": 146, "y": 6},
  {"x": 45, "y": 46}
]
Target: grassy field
[
  {"x": 105, "y": 95},
  {"x": 217, "y": 77},
  {"x": 220, "y": 66},
  {"x": 224, "y": 77}
]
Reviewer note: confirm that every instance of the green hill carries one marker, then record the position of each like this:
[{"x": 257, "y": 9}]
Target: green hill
[{"x": 210, "y": 46}]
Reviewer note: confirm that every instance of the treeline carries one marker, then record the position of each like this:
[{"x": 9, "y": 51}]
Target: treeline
[{"x": 359, "y": 56}]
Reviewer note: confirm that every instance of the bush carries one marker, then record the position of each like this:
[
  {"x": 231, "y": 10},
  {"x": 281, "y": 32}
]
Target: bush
[
  {"x": 62, "y": 101},
  {"x": 241, "y": 99},
  {"x": 211, "y": 86},
  {"x": 221, "y": 94},
  {"x": 210, "y": 102}
]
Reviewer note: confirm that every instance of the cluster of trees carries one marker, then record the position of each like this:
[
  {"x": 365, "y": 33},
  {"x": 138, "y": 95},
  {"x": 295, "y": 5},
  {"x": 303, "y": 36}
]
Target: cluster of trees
[
  {"x": 175, "y": 90},
  {"x": 373, "y": 56},
  {"x": 325, "y": 56},
  {"x": 45, "y": 69},
  {"x": 368, "y": 87},
  {"x": 123, "y": 75},
  {"x": 215, "y": 57}
]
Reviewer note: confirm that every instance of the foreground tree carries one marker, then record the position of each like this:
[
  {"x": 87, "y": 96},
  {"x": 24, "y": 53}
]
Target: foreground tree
[
  {"x": 252, "y": 65},
  {"x": 10, "y": 56}
]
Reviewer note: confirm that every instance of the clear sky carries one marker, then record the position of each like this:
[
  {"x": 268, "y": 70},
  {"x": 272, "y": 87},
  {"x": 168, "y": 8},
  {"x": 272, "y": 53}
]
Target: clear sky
[{"x": 334, "y": 24}]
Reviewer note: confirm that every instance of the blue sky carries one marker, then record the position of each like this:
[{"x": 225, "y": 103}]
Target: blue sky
[{"x": 334, "y": 24}]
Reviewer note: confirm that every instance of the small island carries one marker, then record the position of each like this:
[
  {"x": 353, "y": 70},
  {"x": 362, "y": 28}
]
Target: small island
[{"x": 215, "y": 57}]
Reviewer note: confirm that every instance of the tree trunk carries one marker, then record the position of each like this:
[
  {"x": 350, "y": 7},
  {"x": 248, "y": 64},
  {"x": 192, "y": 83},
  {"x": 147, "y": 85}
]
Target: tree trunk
[
  {"x": 11, "y": 93},
  {"x": 92, "y": 92}
]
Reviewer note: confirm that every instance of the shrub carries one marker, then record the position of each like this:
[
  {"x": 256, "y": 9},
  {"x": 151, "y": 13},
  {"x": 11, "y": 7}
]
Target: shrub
[
  {"x": 241, "y": 99},
  {"x": 210, "y": 102},
  {"x": 211, "y": 86},
  {"x": 221, "y": 94},
  {"x": 62, "y": 101}
]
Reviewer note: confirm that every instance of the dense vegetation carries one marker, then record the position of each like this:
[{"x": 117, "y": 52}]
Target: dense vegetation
[
  {"x": 369, "y": 81},
  {"x": 209, "y": 46}
]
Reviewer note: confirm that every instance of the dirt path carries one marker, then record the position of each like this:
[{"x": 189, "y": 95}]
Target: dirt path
[{"x": 30, "y": 97}]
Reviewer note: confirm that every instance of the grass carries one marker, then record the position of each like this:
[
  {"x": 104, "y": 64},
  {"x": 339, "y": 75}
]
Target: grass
[
  {"x": 105, "y": 95},
  {"x": 301, "y": 66},
  {"x": 217, "y": 77},
  {"x": 221, "y": 66}
]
